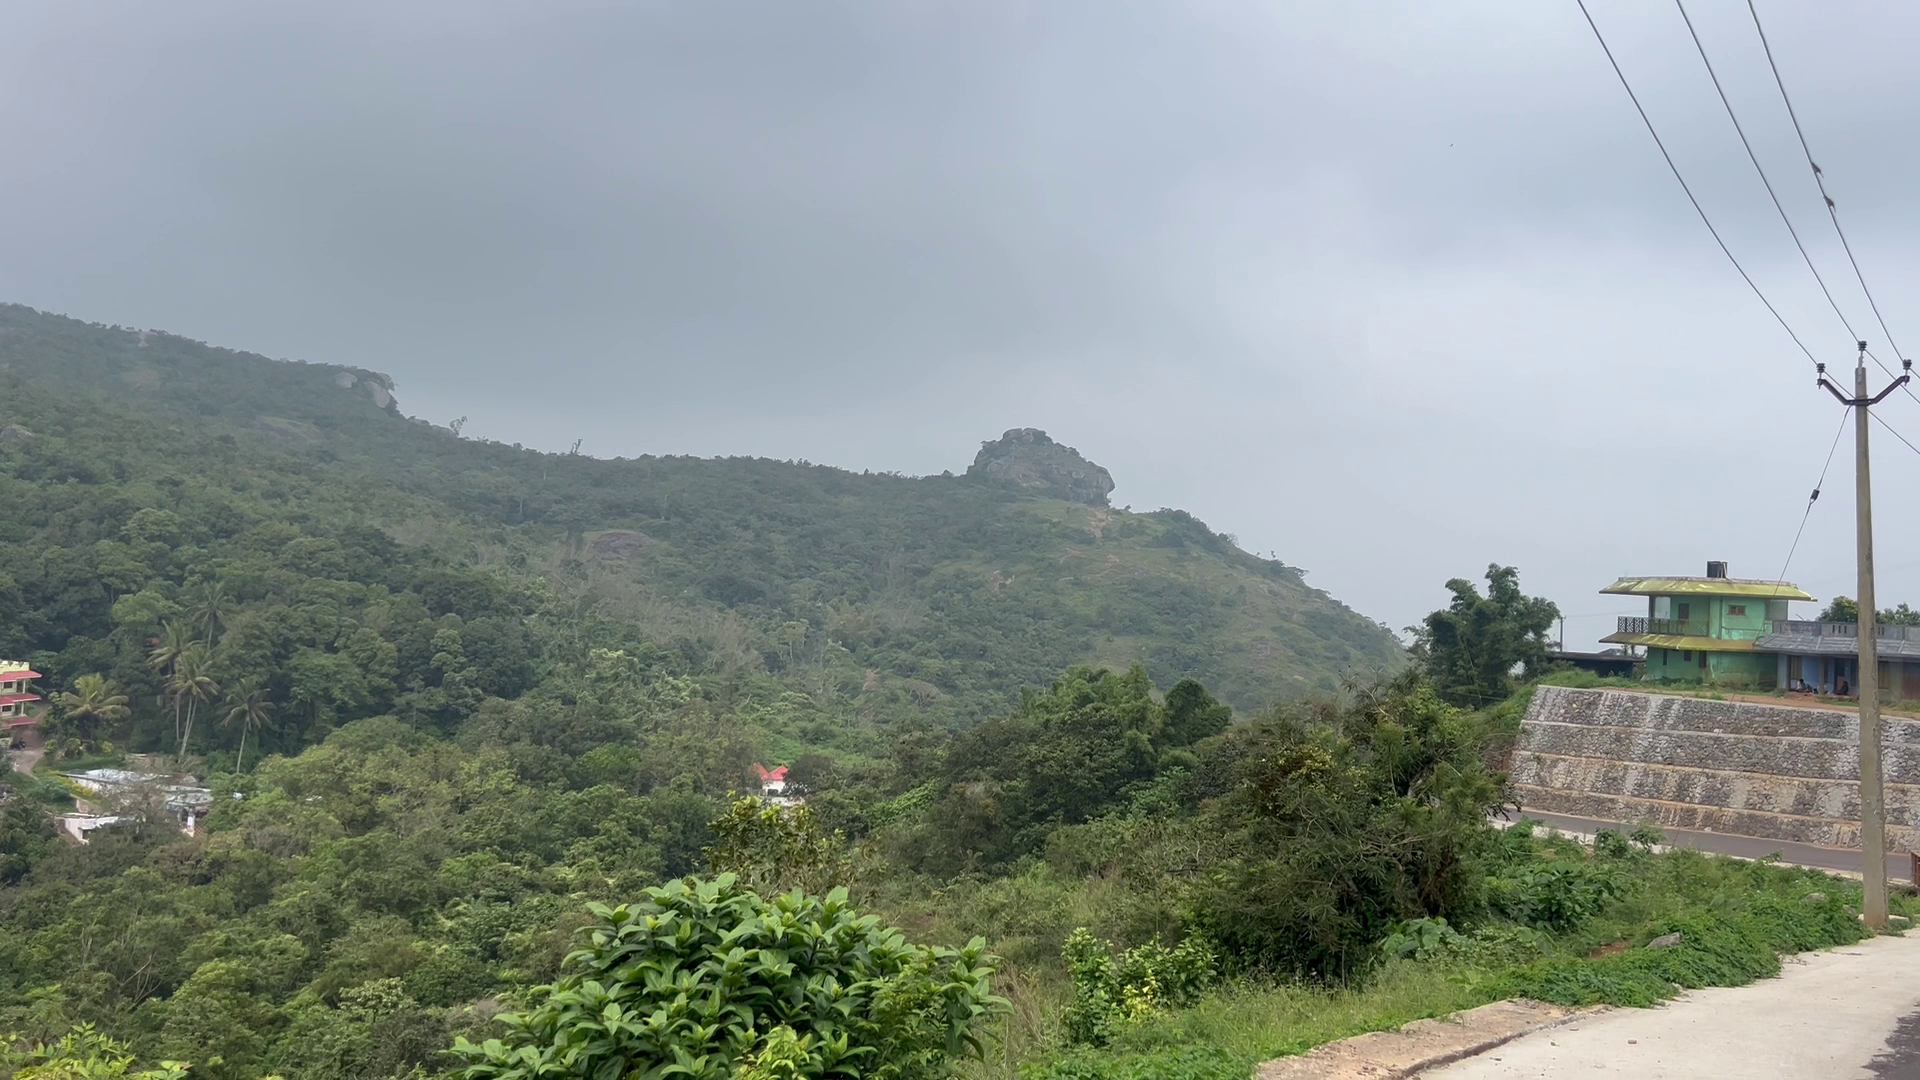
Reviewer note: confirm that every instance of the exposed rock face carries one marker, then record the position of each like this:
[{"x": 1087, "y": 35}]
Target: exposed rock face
[
  {"x": 374, "y": 384},
  {"x": 620, "y": 544},
  {"x": 1028, "y": 458},
  {"x": 14, "y": 433}
]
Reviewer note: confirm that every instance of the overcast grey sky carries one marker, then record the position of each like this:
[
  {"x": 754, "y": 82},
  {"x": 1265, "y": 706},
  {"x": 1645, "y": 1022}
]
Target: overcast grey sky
[{"x": 1390, "y": 289}]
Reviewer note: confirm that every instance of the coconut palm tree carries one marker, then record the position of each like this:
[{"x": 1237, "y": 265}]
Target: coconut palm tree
[
  {"x": 248, "y": 707},
  {"x": 207, "y": 605},
  {"x": 172, "y": 644},
  {"x": 192, "y": 684},
  {"x": 92, "y": 701}
]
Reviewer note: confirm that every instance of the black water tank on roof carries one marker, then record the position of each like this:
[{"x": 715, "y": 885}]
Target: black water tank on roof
[{"x": 1716, "y": 568}]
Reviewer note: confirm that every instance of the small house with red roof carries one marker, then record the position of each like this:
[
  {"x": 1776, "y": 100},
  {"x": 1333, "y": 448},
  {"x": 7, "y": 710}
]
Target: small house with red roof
[
  {"x": 774, "y": 790},
  {"x": 16, "y": 695},
  {"x": 772, "y": 781}
]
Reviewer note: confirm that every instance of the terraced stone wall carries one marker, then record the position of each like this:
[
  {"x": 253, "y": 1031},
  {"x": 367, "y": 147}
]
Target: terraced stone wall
[{"x": 1773, "y": 771}]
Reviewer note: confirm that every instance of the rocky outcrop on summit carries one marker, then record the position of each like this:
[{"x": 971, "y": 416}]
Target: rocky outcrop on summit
[
  {"x": 376, "y": 385},
  {"x": 1027, "y": 458}
]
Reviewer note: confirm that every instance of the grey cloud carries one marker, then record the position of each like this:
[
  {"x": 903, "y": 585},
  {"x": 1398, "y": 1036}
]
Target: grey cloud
[{"x": 1392, "y": 290}]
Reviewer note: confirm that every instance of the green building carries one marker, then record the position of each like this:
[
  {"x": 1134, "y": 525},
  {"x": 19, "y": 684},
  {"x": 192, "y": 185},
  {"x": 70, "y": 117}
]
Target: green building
[{"x": 1706, "y": 629}]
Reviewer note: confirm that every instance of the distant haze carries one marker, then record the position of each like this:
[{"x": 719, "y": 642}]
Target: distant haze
[{"x": 1393, "y": 290}]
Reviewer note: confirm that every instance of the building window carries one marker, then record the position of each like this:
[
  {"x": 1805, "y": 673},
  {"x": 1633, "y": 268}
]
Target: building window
[
  {"x": 1736, "y": 611},
  {"x": 1686, "y": 656},
  {"x": 1685, "y": 612}
]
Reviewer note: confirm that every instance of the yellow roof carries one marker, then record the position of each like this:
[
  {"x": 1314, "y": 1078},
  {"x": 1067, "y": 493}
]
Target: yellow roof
[
  {"x": 1680, "y": 641},
  {"x": 1703, "y": 586}
]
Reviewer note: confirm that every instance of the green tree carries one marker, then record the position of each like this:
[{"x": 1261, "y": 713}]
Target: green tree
[
  {"x": 164, "y": 657},
  {"x": 1472, "y": 647},
  {"x": 771, "y": 849},
  {"x": 93, "y": 701},
  {"x": 192, "y": 684},
  {"x": 1845, "y": 609},
  {"x": 247, "y": 709},
  {"x": 1193, "y": 714},
  {"x": 706, "y": 980},
  {"x": 1841, "y": 609},
  {"x": 26, "y": 837},
  {"x": 208, "y": 606},
  {"x": 1326, "y": 837}
]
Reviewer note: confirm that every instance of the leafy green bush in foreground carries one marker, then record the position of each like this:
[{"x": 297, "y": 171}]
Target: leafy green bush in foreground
[
  {"x": 82, "y": 1054},
  {"x": 705, "y": 980}
]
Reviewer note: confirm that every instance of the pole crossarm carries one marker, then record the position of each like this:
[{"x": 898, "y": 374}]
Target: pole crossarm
[{"x": 1821, "y": 380}]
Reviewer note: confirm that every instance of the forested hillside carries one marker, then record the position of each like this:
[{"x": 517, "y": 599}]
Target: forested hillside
[
  {"x": 348, "y": 561},
  {"x": 448, "y": 691}
]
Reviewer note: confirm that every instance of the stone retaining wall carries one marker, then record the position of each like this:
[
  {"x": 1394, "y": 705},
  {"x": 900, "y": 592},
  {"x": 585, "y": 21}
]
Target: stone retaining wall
[{"x": 1724, "y": 766}]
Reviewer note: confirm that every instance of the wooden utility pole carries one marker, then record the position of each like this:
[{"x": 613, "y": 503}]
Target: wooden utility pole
[{"x": 1873, "y": 817}]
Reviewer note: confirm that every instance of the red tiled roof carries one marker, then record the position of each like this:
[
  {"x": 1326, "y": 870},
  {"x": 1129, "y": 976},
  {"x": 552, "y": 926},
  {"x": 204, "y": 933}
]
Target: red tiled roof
[
  {"x": 770, "y": 774},
  {"x": 12, "y": 676},
  {"x": 16, "y": 699},
  {"x": 21, "y": 721}
]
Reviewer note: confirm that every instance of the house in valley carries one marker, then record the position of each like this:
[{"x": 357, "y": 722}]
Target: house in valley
[
  {"x": 128, "y": 795},
  {"x": 16, "y": 689},
  {"x": 19, "y": 707},
  {"x": 773, "y": 786}
]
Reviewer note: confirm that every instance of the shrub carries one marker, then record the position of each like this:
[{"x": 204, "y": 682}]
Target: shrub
[
  {"x": 1558, "y": 895},
  {"x": 1423, "y": 939},
  {"x": 81, "y": 1054},
  {"x": 1720, "y": 949},
  {"x": 1609, "y": 844},
  {"x": 709, "y": 980},
  {"x": 1337, "y": 841},
  {"x": 1146, "y": 979}
]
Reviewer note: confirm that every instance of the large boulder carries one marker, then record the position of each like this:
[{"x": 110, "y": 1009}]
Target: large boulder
[
  {"x": 1027, "y": 458},
  {"x": 376, "y": 385}
]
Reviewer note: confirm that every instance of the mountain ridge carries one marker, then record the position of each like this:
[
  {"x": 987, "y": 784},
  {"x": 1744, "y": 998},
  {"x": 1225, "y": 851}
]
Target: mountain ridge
[{"x": 943, "y": 594}]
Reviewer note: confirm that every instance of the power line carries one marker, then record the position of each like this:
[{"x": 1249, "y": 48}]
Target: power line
[
  {"x": 1813, "y": 498},
  {"x": 1883, "y": 367},
  {"x": 1891, "y": 430},
  {"x": 1818, "y": 179},
  {"x": 1751, "y": 156},
  {"x": 1704, "y": 220}
]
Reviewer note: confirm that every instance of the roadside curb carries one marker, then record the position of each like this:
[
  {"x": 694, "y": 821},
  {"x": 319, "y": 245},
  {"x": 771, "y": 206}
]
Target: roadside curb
[{"x": 1423, "y": 1044}]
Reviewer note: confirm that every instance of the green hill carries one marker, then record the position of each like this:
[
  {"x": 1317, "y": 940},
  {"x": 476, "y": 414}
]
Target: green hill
[{"x": 139, "y": 468}]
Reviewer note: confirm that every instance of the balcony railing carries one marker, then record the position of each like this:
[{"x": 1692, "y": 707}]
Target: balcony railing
[
  {"x": 1641, "y": 624},
  {"x": 1816, "y": 628}
]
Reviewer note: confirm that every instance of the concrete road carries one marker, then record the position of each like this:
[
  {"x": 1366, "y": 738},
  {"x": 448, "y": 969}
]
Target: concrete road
[
  {"x": 1844, "y": 1013},
  {"x": 1899, "y": 864}
]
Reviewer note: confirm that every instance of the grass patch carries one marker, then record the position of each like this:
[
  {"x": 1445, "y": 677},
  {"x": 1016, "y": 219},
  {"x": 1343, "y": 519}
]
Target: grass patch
[
  {"x": 1231, "y": 1030},
  {"x": 1586, "y": 945},
  {"x": 40, "y": 790},
  {"x": 84, "y": 762}
]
